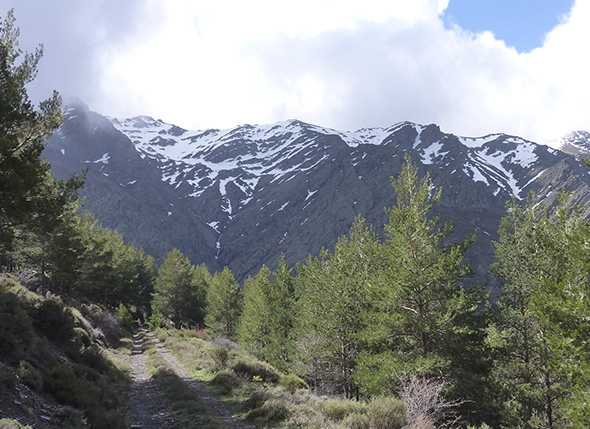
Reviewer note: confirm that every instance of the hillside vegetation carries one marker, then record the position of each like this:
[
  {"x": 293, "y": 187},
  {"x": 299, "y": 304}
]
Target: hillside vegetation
[
  {"x": 62, "y": 277},
  {"x": 55, "y": 369},
  {"x": 371, "y": 334},
  {"x": 390, "y": 319}
]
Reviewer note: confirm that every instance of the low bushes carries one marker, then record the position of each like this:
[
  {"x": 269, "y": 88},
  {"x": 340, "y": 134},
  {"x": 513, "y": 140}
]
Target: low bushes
[
  {"x": 226, "y": 343},
  {"x": 220, "y": 356},
  {"x": 53, "y": 350},
  {"x": 82, "y": 338},
  {"x": 66, "y": 386},
  {"x": 291, "y": 383},
  {"x": 338, "y": 409},
  {"x": 54, "y": 321},
  {"x": 272, "y": 410},
  {"x": 30, "y": 375},
  {"x": 16, "y": 328},
  {"x": 255, "y": 370},
  {"x": 357, "y": 421},
  {"x": 386, "y": 413},
  {"x": 309, "y": 417},
  {"x": 271, "y": 399},
  {"x": 85, "y": 389},
  {"x": 93, "y": 358},
  {"x": 226, "y": 380},
  {"x": 70, "y": 418},
  {"x": 8, "y": 377},
  {"x": 105, "y": 322},
  {"x": 256, "y": 399},
  {"x": 125, "y": 317}
]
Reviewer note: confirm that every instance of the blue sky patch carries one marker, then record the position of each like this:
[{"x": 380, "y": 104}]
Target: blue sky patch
[{"x": 520, "y": 23}]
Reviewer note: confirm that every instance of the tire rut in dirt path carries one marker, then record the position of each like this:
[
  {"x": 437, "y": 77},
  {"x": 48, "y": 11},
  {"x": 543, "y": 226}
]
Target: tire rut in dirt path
[
  {"x": 223, "y": 414},
  {"x": 145, "y": 398}
]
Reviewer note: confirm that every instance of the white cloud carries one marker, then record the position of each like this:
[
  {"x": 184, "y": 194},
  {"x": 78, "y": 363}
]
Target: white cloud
[{"x": 344, "y": 64}]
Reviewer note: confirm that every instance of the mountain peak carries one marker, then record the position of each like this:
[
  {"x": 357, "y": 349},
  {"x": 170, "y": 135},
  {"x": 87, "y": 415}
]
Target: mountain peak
[{"x": 75, "y": 108}]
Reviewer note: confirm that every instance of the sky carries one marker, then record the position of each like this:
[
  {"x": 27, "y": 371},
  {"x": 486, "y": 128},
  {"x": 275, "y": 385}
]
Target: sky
[
  {"x": 473, "y": 67},
  {"x": 522, "y": 24}
]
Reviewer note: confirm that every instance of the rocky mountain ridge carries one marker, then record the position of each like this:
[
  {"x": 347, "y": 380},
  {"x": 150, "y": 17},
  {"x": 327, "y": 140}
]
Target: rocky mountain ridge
[{"x": 244, "y": 196}]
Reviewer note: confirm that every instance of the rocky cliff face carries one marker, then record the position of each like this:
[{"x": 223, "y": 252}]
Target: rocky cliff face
[{"x": 244, "y": 196}]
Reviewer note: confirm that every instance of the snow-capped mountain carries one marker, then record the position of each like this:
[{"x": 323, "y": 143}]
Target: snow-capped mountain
[
  {"x": 200, "y": 160},
  {"x": 244, "y": 196},
  {"x": 576, "y": 143}
]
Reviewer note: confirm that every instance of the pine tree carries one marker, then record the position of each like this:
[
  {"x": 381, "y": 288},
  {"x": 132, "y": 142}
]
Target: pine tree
[
  {"x": 280, "y": 300},
  {"x": 266, "y": 321},
  {"x": 418, "y": 299},
  {"x": 108, "y": 270},
  {"x": 332, "y": 300},
  {"x": 40, "y": 226},
  {"x": 224, "y": 304},
  {"x": 63, "y": 252},
  {"x": 178, "y": 297},
  {"x": 254, "y": 328},
  {"x": 30, "y": 198},
  {"x": 97, "y": 277},
  {"x": 541, "y": 331},
  {"x": 145, "y": 277}
]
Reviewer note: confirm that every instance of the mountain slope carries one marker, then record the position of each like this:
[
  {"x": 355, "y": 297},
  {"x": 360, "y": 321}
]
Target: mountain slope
[
  {"x": 244, "y": 196},
  {"x": 576, "y": 143}
]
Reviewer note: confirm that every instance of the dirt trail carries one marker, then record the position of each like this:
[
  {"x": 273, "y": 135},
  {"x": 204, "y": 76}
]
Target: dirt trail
[{"x": 146, "y": 400}]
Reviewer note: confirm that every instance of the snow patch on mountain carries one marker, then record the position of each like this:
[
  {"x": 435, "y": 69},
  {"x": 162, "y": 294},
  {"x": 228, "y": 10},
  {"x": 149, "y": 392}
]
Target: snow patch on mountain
[
  {"x": 476, "y": 174},
  {"x": 494, "y": 157},
  {"x": 476, "y": 142},
  {"x": 280, "y": 152},
  {"x": 214, "y": 225},
  {"x": 576, "y": 143},
  {"x": 310, "y": 194},
  {"x": 431, "y": 152},
  {"x": 104, "y": 159}
]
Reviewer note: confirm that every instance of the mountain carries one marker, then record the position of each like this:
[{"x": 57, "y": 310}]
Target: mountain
[
  {"x": 576, "y": 143},
  {"x": 244, "y": 196}
]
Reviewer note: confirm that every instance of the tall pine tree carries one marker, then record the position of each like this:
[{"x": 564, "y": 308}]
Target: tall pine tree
[
  {"x": 281, "y": 301},
  {"x": 31, "y": 199},
  {"x": 541, "y": 333},
  {"x": 332, "y": 300},
  {"x": 266, "y": 321},
  {"x": 180, "y": 290},
  {"x": 254, "y": 327},
  {"x": 224, "y": 304},
  {"x": 418, "y": 299}
]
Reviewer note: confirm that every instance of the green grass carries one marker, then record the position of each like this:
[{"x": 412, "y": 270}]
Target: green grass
[
  {"x": 268, "y": 399},
  {"x": 339, "y": 409},
  {"x": 194, "y": 353},
  {"x": 249, "y": 388}
]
